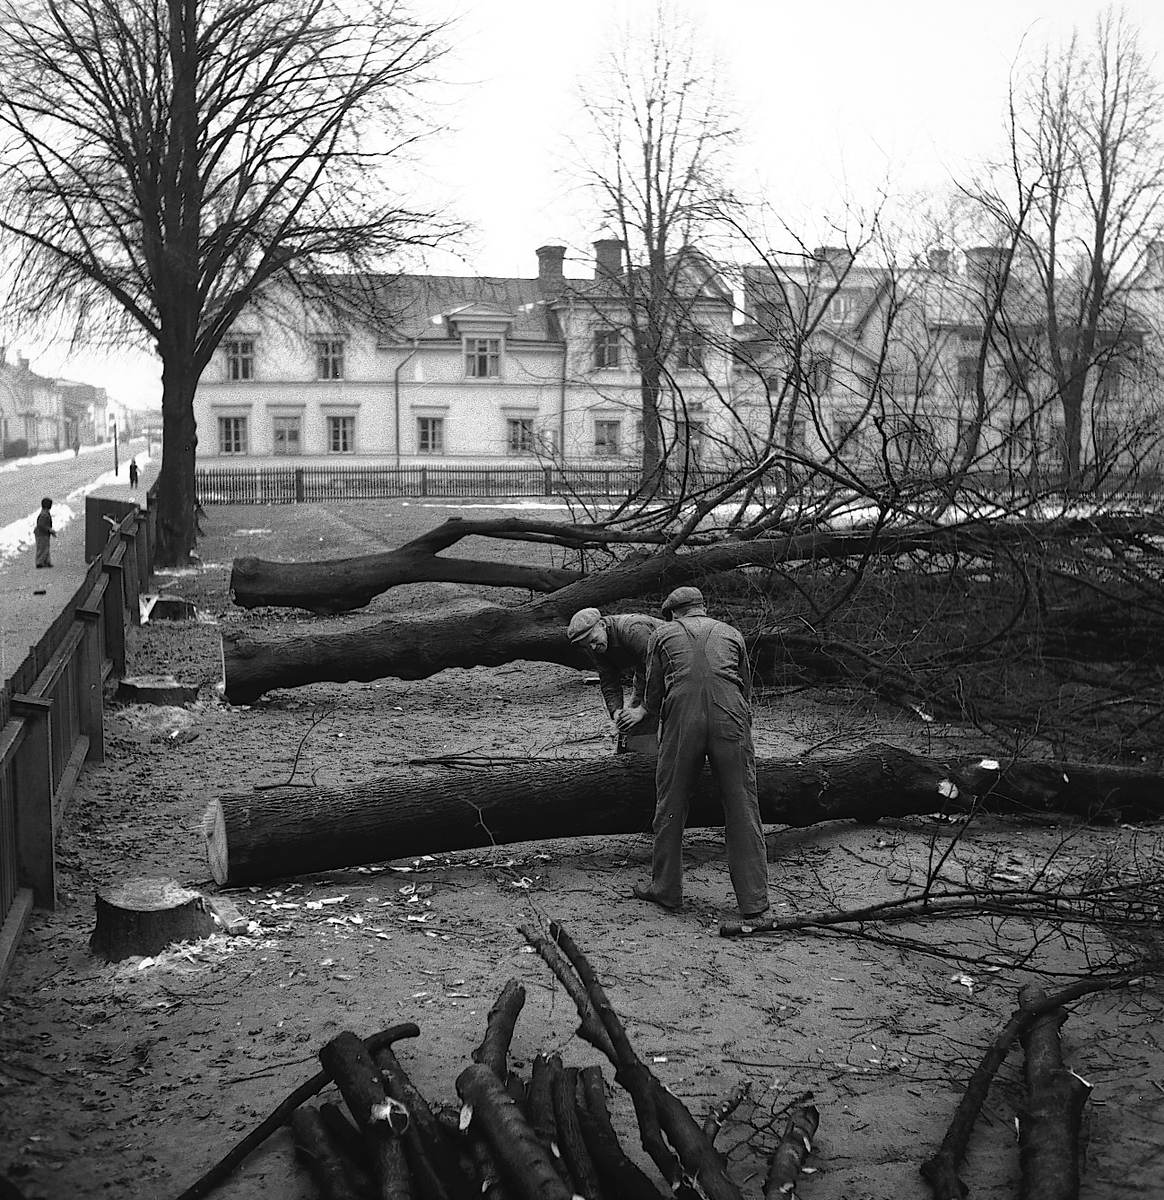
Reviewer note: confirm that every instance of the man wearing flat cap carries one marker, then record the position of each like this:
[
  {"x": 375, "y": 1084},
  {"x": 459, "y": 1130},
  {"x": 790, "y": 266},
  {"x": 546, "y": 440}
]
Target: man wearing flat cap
[
  {"x": 699, "y": 683},
  {"x": 618, "y": 644}
]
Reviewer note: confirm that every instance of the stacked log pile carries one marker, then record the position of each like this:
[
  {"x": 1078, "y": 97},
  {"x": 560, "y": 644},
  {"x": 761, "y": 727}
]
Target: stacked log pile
[{"x": 548, "y": 1137}]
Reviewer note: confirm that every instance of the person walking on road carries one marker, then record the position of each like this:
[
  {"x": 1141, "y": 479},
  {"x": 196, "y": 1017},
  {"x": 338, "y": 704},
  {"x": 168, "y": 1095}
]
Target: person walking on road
[
  {"x": 44, "y": 533},
  {"x": 699, "y": 683},
  {"x": 618, "y": 644},
  {"x": 133, "y": 473}
]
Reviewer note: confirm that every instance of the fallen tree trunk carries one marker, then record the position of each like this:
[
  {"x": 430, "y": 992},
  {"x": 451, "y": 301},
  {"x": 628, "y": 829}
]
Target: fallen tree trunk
[
  {"x": 415, "y": 648},
  {"x": 342, "y": 584},
  {"x": 256, "y": 836}
]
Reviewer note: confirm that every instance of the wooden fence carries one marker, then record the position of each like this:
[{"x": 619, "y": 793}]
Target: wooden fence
[
  {"x": 51, "y": 720},
  {"x": 300, "y": 485}
]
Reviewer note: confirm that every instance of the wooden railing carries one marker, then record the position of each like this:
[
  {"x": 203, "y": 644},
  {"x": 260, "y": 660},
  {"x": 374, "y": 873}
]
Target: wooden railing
[{"x": 51, "y": 713}]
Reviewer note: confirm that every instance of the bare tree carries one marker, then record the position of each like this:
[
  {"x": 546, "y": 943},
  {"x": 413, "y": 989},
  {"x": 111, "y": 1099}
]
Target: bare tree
[
  {"x": 1078, "y": 199},
  {"x": 659, "y": 132},
  {"x": 166, "y": 163}
]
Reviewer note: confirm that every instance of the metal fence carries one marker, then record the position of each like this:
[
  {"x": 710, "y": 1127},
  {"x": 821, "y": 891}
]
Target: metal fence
[
  {"x": 299, "y": 485},
  {"x": 51, "y": 719}
]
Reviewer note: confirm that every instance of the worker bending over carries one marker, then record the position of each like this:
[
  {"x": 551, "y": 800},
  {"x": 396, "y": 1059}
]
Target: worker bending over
[
  {"x": 699, "y": 684},
  {"x": 618, "y": 644}
]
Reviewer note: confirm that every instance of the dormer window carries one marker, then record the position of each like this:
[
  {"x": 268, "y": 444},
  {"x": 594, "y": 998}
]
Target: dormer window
[
  {"x": 329, "y": 358},
  {"x": 240, "y": 360},
  {"x": 842, "y": 309},
  {"x": 482, "y": 358},
  {"x": 690, "y": 350}
]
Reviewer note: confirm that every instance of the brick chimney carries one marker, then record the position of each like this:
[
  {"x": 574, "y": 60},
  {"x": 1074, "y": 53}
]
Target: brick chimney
[
  {"x": 551, "y": 278},
  {"x": 938, "y": 261},
  {"x": 984, "y": 262},
  {"x": 840, "y": 258},
  {"x": 607, "y": 258}
]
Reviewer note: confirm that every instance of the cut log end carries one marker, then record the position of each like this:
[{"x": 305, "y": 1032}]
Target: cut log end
[
  {"x": 214, "y": 835},
  {"x": 155, "y": 689},
  {"x": 144, "y": 916}
]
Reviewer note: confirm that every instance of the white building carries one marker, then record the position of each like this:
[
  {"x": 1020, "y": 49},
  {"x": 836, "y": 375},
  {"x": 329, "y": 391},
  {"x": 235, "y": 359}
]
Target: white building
[{"x": 463, "y": 369}]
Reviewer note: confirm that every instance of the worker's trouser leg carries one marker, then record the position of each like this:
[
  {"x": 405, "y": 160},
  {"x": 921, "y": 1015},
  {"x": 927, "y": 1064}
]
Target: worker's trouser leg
[
  {"x": 733, "y": 767},
  {"x": 676, "y": 774}
]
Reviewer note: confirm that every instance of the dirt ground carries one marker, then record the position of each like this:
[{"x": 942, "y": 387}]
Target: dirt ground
[{"x": 129, "y": 1080}]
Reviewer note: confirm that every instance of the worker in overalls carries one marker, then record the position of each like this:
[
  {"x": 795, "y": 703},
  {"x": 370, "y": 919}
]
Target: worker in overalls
[
  {"x": 618, "y": 644},
  {"x": 699, "y": 684}
]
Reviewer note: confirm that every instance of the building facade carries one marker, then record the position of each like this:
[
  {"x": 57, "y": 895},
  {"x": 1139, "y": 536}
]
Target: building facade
[{"x": 464, "y": 369}]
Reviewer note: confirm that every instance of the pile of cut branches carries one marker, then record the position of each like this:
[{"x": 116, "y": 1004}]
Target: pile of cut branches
[{"x": 546, "y": 1138}]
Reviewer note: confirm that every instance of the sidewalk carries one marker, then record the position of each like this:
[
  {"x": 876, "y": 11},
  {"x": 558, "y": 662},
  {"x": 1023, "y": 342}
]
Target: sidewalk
[{"x": 25, "y": 615}]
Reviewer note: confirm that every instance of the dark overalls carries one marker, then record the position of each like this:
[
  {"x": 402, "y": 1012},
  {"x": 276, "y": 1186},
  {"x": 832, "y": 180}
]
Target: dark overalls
[
  {"x": 628, "y": 635},
  {"x": 699, "y": 682}
]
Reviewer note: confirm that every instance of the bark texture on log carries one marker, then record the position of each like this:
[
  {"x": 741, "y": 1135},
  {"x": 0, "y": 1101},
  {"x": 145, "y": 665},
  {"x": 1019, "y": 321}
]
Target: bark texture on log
[
  {"x": 791, "y": 1151},
  {"x": 625, "y": 1179},
  {"x": 1049, "y": 1123},
  {"x": 323, "y": 1156},
  {"x": 144, "y": 916},
  {"x": 494, "y": 1048},
  {"x": 342, "y": 584},
  {"x": 256, "y": 836},
  {"x": 515, "y": 1145}
]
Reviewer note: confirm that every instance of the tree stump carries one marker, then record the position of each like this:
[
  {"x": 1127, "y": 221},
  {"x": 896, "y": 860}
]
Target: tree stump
[
  {"x": 155, "y": 689},
  {"x": 143, "y": 916}
]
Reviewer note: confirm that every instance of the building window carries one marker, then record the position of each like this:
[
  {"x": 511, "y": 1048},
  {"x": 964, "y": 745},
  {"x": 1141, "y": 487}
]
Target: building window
[
  {"x": 430, "y": 435},
  {"x": 798, "y": 436},
  {"x": 286, "y": 435},
  {"x": 968, "y": 378},
  {"x": 519, "y": 435},
  {"x": 690, "y": 346},
  {"x": 818, "y": 374},
  {"x": 548, "y": 441},
  {"x": 482, "y": 358},
  {"x": 232, "y": 435},
  {"x": 842, "y": 309},
  {"x": 329, "y": 359},
  {"x": 341, "y": 435},
  {"x": 240, "y": 360},
  {"x": 607, "y": 439},
  {"x": 606, "y": 348}
]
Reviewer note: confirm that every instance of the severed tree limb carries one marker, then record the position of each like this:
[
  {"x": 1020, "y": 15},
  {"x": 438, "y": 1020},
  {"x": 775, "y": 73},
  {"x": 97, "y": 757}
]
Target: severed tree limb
[
  {"x": 279, "y": 1117},
  {"x": 348, "y": 1136},
  {"x": 656, "y": 1108},
  {"x": 539, "y": 1109},
  {"x": 487, "y": 1173},
  {"x": 1049, "y": 1123},
  {"x": 381, "y": 1120},
  {"x": 434, "y": 1166},
  {"x": 494, "y": 1048},
  {"x": 941, "y": 1171},
  {"x": 793, "y": 1148},
  {"x": 626, "y": 1180},
  {"x": 1099, "y": 905},
  {"x": 514, "y": 1143},
  {"x": 714, "y": 1120},
  {"x": 570, "y": 1140},
  {"x": 323, "y": 1156}
]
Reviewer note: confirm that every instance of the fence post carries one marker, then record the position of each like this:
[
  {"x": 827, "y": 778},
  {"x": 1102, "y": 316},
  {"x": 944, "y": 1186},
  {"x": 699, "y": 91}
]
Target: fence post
[
  {"x": 132, "y": 582},
  {"x": 35, "y": 850},
  {"x": 114, "y": 603},
  {"x": 300, "y": 490},
  {"x": 92, "y": 720},
  {"x": 549, "y": 474},
  {"x": 424, "y": 481}
]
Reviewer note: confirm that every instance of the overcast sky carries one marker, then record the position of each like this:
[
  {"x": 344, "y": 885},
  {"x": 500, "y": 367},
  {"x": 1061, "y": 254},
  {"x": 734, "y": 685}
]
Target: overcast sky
[{"x": 835, "y": 100}]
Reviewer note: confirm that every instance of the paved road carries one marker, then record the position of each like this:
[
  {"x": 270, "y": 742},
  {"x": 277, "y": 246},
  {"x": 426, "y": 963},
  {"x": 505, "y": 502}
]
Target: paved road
[{"x": 23, "y": 483}]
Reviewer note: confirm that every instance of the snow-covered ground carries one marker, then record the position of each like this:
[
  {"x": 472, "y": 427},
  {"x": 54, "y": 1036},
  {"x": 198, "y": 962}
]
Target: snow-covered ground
[{"x": 18, "y": 535}]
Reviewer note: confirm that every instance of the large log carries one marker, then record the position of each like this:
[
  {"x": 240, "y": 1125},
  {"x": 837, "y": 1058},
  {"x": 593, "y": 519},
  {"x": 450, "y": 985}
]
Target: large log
[{"x": 256, "y": 836}]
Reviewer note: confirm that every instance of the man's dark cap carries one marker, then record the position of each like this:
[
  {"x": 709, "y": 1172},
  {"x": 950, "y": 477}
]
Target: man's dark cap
[{"x": 682, "y": 597}]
